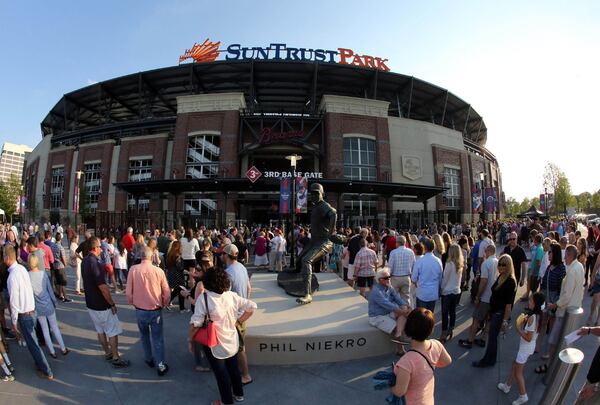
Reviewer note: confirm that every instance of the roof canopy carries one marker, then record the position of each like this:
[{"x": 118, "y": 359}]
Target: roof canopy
[
  {"x": 396, "y": 191},
  {"x": 270, "y": 86}
]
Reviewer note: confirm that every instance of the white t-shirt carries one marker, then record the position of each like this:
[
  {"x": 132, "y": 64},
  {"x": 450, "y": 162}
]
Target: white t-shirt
[
  {"x": 485, "y": 242},
  {"x": 189, "y": 248},
  {"x": 489, "y": 270},
  {"x": 278, "y": 244},
  {"x": 223, "y": 310},
  {"x": 526, "y": 347},
  {"x": 121, "y": 259}
]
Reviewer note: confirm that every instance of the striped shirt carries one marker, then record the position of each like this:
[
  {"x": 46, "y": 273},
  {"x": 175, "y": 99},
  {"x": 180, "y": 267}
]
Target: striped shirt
[
  {"x": 401, "y": 261},
  {"x": 365, "y": 263}
]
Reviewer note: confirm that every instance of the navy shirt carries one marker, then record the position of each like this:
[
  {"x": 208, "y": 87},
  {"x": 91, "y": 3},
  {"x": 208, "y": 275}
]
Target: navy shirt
[{"x": 93, "y": 275}]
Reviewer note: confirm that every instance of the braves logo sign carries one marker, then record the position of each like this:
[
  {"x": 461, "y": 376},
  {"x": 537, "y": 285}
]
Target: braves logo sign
[{"x": 207, "y": 52}]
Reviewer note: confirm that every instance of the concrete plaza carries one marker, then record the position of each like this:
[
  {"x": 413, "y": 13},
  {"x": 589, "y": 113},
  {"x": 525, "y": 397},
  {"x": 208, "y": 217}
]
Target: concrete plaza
[{"x": 84, "y": 377}]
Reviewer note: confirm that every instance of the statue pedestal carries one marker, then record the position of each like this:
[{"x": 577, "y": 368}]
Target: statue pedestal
[
  {"x": 334, "y": 327},
  {"x": 293, "y": 284}
]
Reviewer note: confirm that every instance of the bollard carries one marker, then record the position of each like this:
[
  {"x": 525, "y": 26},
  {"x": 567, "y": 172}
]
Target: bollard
[
  {"x": 572, "y": 321},
  {"x": 569, "y": 361}
]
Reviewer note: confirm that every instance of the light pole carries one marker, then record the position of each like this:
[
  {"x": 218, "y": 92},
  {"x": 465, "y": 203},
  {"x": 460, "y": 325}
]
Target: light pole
[
  {"x": 546, "y": 201},
  {"x": 293, "y": 160},
  {"x": 76, "y": 200},
  {"x": 482, "y": 187}
]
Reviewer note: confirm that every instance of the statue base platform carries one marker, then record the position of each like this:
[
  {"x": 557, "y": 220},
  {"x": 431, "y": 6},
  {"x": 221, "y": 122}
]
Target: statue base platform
[
  {"x": 293, "y": 284},
  {"x": 334, "y": 327}
]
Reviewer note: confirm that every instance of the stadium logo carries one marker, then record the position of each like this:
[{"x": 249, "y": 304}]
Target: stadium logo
[{"x": 208, "y": 52}]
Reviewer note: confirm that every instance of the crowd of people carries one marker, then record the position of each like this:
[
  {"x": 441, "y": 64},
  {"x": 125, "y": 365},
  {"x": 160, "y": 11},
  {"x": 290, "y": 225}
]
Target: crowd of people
[{"x": 403, "y": 275}]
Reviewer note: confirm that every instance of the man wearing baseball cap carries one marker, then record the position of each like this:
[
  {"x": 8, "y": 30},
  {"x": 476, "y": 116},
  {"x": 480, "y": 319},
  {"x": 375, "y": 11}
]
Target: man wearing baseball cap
[
  {"x": 240, "y": 284},
  {"x": 387, "y": 310}
]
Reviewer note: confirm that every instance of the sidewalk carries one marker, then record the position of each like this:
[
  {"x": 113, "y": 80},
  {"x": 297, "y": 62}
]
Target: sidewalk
[{"x": 84, "y": 377}]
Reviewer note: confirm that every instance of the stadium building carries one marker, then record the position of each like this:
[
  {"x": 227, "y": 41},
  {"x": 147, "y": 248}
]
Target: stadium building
[{"x": 206, "y": 143}]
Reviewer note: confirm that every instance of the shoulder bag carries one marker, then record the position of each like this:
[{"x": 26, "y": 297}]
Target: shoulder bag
[{"x": 206, "y": 334}]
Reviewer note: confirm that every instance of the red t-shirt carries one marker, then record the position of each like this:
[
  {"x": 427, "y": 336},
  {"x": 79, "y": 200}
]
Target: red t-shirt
[
  {"x": 390, "y": 243},
  {"x": 128, "y": 242}
]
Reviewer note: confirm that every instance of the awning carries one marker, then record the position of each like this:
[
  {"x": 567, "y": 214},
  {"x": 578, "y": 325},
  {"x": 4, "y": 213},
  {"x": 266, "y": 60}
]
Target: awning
[{"x": 396, "y": 191}]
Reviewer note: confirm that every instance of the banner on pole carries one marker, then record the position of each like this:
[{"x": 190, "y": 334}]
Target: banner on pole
[
  {"x": 477, "y": 201},
  {"x": 285, "y": 195},
  {"x": 76, "y": 200},
  {"x": 543, "y": 203},
  {"x": 490, "y": 198},
  {"x": 550, "y": 202},
  {"x": 301, "y": 195}
]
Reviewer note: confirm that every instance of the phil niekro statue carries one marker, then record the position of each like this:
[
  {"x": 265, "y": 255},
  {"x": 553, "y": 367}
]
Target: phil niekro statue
[{"x": 323, "y": 218}]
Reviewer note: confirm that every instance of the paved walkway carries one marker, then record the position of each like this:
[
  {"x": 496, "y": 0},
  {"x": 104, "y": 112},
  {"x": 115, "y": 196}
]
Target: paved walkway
[{"x": 84, "y": 377}]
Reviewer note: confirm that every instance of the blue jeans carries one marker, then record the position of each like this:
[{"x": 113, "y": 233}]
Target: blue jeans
[
  {"x": 489, "y": 358},
  {"x": 227, "y": 373},
  {"x": 449, "y": 303},
  {"x": 430, "y": 305},
  {"x": 150, "y": 322},
  {"x": 27, "y": 326}
]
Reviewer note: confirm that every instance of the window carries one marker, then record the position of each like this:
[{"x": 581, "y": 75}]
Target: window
[
  {"x": 202, "y": 159},
  {"x": 196, "y": 205},
  {"x": 359, "y": 159},
  {"x": 57, "y": 187},
  {"x": 451, "y": 196},
  {"x": 139, "y": 170},
  {"x": 92, "y": 184}
]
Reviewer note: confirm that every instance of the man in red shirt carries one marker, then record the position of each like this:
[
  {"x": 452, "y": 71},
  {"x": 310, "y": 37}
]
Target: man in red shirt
[
  {"x": 390, "y": 244},
  {"x": 128, "y": 242}
]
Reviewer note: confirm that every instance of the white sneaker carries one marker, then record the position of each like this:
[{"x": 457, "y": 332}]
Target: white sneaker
[
  {"x": 504, "y": 388},
  {"x": 521, "y": 400}
]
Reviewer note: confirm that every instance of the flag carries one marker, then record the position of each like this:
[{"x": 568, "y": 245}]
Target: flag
[
  {"x": 301, "y": 195},
  {"x": 285, "y": 195},
  {"x": 550, "y": 202},
  {"x": 543, "y": 202},
  {"x": 489, "y": 199},
  {"x": 76, "y": 199},
  {"x": 476, "y": 195}
]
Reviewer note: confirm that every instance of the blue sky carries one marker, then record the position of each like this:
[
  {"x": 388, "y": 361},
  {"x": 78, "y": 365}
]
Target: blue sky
[{"x": 529, "y": 68}]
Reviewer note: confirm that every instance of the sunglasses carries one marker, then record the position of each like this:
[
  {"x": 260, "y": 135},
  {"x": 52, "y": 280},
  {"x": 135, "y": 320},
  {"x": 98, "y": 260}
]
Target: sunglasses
[
  {"x": 385, "y": 278},
  {"x": 511, "y": 239},
  {"x": 502, "y": 265}
]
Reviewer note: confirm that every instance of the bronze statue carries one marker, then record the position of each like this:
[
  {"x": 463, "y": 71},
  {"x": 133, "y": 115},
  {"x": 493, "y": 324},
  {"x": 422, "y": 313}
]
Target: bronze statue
[{"x": 322, "y": 225}]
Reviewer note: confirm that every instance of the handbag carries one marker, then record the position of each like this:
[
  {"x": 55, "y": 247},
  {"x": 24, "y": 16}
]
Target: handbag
[{"x": 206, "y": 335}]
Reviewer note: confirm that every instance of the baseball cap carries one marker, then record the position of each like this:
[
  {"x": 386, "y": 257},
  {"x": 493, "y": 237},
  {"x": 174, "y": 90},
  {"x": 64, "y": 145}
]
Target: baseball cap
[{"x": 231, "y": 250}]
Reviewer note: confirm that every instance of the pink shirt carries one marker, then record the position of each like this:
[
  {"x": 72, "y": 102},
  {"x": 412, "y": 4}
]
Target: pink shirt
[
  {"x": 48, "y": 256},
  {"x": 147, "y": 287},
  {"x": 422, "y": 381}
]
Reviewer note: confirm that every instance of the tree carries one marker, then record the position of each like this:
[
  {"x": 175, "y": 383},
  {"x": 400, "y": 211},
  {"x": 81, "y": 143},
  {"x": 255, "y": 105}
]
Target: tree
[
  {"x": 512, "y": 207},
  {"x": 10, "y": 191},
  {"x": 595, "y": 200},
  {"x": 563, "y": 197},
  {"x": 555, "y": 181}
]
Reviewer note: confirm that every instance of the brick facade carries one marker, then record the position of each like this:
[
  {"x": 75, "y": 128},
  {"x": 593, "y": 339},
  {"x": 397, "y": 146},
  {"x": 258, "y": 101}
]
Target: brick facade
[{"x": 62, "y": 157}]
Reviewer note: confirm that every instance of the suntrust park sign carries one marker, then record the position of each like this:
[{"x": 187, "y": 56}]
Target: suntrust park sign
[{"x": 209, "y": 51}]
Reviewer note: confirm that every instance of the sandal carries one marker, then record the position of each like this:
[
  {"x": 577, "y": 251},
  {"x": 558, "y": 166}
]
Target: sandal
[
  {"x": 108, "y": 357},
  {"x": 541, "y": 369}
]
